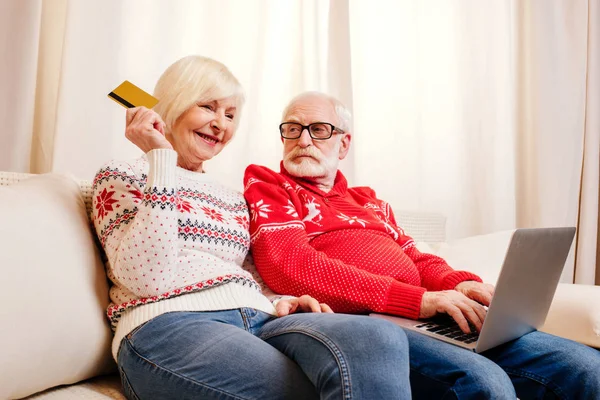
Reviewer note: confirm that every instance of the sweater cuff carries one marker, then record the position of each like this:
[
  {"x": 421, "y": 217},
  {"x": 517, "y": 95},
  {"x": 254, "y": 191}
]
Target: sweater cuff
[
  {"x": 163, "y": 168},
  {"x": 456, "y": 277},
  {"x": 404, "y": 300}
]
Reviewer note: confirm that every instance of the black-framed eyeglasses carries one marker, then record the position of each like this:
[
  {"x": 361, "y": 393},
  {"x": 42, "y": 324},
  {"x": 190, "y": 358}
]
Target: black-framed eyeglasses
[{"x": 316, "y": 130}]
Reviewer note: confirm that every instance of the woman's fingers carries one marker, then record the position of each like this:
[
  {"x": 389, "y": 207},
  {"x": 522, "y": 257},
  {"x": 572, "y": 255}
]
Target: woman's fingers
[
  {"x": 301, "y": 304},
  {"x": 130, "y": 114},
  {"x": 146, "y": 129},
  {"x": 308, "y": 303},
  {"x": 155, "y": 120},
  {"x": 143, "y": 119},
  {"x": 161, "y": 127},
  {"x": 286, "y": 307},
  {"x": 326, "y": 309}
]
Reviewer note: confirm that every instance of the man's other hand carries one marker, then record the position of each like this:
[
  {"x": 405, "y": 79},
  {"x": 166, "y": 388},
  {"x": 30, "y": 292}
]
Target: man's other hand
[
  {"x": 457, "y": 305},
  {"x": 301, "y": 304},
  {"x": 480, "y": 292}
]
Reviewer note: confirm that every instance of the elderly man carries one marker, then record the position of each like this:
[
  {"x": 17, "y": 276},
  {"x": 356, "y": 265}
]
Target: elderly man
[{"x": 312, "y": 234}]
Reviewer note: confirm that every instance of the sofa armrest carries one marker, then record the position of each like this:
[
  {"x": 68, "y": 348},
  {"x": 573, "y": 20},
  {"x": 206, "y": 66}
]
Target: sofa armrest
[
  {"x": 575, "y": 310},
  {"x": 575, "y": 314}
]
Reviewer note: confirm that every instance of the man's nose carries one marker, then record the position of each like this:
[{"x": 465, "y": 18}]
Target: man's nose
[{"x": 304, "y": 140}]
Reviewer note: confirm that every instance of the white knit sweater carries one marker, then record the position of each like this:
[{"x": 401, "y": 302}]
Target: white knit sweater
[{"x": 175, "y": 240}]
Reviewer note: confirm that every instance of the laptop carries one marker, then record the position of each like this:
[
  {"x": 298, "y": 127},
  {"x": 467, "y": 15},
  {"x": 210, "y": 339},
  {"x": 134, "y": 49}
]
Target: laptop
[{"x": 530, "y": 273}]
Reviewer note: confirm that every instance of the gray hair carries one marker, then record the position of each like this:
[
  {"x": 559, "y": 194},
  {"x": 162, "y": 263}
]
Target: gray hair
[{"x": 342, "y": 112}]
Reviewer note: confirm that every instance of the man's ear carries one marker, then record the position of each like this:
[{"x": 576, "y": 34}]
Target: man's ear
[{"x": 345, "y": 145}]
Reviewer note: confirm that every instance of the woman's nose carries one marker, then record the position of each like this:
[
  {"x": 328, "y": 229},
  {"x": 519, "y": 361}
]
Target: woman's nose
[{"x": 217, "y": 123}]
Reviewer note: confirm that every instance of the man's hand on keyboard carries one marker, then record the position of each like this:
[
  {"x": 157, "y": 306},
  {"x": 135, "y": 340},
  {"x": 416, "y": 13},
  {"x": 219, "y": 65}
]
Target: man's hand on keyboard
[
  {"x": 457, "y": 305},
  {"x": 480, "y": 292}
]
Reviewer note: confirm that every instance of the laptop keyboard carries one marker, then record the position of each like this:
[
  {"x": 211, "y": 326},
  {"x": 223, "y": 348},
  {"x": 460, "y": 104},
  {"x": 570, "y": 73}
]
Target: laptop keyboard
[{"x": 449, "y": 328}]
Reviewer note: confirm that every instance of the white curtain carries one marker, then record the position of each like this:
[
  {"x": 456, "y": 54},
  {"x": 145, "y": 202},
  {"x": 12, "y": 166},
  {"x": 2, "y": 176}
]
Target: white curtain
[
  {"x": 484, "y": 111},
  {"x": 271, "y": 46},
  {"x": 20, "y": 33},
  {"x": 434, "y": 108},
  {"x": 588, "y": 243},
  {"x": 552, "y": 70}
]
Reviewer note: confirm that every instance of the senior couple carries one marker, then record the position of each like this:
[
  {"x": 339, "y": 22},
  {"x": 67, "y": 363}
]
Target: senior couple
[{"x": 192, "y": 317}]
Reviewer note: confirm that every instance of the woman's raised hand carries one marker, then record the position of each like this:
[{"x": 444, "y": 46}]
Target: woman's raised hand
[{"x": 145, "y": 129}]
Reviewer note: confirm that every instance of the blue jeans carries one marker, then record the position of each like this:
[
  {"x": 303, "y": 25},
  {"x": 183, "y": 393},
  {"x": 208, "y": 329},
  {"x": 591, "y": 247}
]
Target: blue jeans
[
  {"x": 248, "y": 354},
  {"x": 536, "y": 366}
]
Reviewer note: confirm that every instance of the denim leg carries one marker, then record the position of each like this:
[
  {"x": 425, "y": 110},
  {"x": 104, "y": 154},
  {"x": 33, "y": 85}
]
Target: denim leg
[
  {"x": 206, "y": 355},
  {"x": 440, "y": 370},
  {"x": 544, "y": 366},
  {"x": 345, "y": 356}
]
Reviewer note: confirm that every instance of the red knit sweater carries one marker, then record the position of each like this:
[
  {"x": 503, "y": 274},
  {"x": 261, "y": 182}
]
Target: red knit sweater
[{"x": 342, "y": 247}]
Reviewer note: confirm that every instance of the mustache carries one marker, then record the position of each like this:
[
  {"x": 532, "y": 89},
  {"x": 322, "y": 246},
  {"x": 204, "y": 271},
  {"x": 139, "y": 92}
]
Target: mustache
[{"x": 308, "y": 151}]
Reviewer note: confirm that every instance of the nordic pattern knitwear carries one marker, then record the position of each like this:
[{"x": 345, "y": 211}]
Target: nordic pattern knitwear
[
  {"x": 342, "y": 247},
  {"x": 175, "y": 240}
]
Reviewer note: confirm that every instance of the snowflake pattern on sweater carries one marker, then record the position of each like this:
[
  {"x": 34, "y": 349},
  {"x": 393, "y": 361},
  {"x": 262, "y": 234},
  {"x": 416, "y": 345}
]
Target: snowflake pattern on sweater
[
  {"x": 342, "y": 247},
  {"x": 180, "y": 234}
]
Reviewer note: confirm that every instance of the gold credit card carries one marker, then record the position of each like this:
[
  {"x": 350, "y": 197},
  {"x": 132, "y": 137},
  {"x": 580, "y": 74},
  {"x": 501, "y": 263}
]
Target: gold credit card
[{"x": 128, "y": 95}]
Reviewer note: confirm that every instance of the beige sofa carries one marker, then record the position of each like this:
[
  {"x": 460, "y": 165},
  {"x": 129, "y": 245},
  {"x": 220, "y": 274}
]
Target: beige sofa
[{"x": 54, "y": 337}]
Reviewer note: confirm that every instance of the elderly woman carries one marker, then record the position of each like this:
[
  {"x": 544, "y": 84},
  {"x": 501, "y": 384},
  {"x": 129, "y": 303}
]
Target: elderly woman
[{"x": 190, "y": 320}]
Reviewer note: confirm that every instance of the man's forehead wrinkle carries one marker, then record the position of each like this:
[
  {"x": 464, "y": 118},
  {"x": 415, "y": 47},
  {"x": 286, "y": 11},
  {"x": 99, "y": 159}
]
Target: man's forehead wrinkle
[{"x": 301, "y": 112}]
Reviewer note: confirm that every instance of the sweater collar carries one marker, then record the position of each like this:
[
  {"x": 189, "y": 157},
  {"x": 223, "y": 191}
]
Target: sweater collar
[{"x": 340, "y": 184}]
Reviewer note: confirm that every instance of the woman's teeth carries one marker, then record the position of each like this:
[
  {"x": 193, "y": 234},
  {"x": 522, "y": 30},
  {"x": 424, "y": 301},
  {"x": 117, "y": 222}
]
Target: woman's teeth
[{"x": 207, "y": 138}]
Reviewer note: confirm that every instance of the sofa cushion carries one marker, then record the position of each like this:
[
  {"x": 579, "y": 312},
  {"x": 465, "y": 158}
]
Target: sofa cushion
[
  {"x": 105, "y": 387},
  {"x": 54, "y": 291}
]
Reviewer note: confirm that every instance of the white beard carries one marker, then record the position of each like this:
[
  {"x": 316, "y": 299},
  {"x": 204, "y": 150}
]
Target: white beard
[
  {"x": 305, "y": 168},
  {"x": 316, "y": 167}
]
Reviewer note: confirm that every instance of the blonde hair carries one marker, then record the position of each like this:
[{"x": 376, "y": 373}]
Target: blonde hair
[{"x": 191, "y": 80}]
